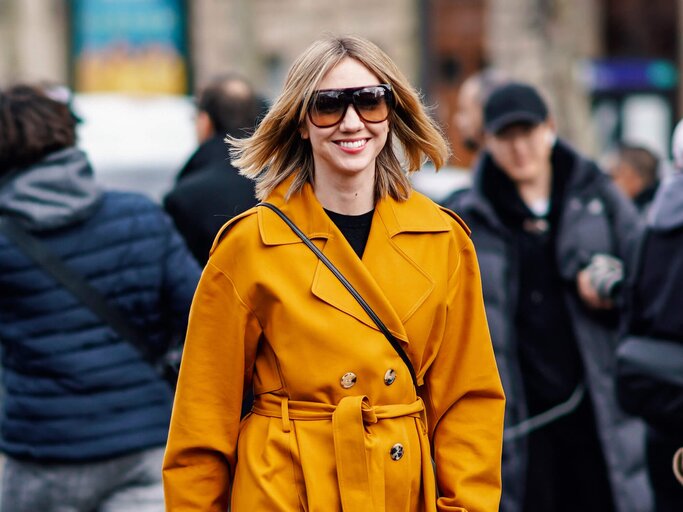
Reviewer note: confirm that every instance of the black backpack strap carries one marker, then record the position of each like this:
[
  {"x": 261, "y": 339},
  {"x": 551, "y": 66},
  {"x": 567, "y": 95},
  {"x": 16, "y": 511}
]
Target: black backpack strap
[
  {"x": 359, "y": 298},
  {"x": 73, "y": 282}
]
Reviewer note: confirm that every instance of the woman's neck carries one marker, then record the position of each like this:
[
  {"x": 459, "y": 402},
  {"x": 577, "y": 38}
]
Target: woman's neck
[{"x": 353, "y": 195}]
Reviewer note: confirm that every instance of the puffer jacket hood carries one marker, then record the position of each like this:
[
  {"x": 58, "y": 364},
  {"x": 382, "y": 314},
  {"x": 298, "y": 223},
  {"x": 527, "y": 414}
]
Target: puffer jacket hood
[
  {"x": 667, "y": 208},
  {"x": 57, "y": 191}
]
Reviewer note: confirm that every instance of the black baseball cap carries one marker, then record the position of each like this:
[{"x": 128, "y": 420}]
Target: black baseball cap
[{"x": 513, "y": 103}]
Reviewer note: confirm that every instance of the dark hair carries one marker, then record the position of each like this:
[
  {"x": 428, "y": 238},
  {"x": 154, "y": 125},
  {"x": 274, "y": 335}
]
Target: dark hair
[
  {"x": 32, "y": 125},
  {"x": 231, "y": 105},
  {"x": 641, "y": 159}
]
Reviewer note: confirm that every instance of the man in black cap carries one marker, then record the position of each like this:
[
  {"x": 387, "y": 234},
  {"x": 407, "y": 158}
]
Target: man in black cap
[{"x": 552, "y": 234}]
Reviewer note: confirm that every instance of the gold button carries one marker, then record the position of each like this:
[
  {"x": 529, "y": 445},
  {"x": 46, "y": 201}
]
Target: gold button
[
  {"x": 396, "y": 451},
  {"x": 348, "y": 380}
]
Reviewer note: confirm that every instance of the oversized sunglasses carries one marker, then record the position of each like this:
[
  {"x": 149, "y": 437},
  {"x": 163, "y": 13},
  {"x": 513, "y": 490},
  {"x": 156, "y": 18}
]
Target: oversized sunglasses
[{"x": 372, "y": 104}]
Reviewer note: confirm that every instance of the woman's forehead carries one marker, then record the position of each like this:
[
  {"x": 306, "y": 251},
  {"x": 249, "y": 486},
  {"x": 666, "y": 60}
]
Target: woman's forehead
[{"x": 348, "y": 73}]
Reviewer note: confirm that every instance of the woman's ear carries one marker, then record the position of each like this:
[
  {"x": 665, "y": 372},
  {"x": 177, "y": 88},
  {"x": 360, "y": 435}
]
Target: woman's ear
[{"x": 303, "y": 131}]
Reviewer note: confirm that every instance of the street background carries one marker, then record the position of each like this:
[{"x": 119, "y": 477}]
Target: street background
[{"x": 609, "y": 68}]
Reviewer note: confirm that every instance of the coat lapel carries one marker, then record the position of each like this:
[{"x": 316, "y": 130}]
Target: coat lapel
[
  {"x": 394, "y": 254},
  {"x": 389, "y": 279}
]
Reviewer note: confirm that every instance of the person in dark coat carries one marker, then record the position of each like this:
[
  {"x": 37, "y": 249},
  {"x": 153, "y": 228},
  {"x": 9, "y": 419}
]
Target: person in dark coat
[
  {"x": 654, "y": 310},
  {"x": 209, "y": 191},
  {"x": 85, "y": 417},
  {"x": 552, "y": 233}
]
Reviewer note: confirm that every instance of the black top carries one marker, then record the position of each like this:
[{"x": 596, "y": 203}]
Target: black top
[
  {"x": 355, "y": 228},
  {"x": 548, "y": 352}
]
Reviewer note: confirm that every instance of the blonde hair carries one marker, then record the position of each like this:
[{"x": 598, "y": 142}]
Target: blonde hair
[{"x": 276, "y": 150}]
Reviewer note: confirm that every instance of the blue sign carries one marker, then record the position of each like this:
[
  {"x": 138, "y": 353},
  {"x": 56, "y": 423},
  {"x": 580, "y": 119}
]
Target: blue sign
[{"x": 630, "y": 75}]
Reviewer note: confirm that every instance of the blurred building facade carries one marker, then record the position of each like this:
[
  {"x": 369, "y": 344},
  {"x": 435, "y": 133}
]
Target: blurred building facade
[
  {"x": 260, "y": 38},
  {"x": 437, "y": 43}
]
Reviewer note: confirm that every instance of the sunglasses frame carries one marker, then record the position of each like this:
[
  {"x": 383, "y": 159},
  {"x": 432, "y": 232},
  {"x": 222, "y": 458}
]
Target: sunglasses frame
[{"x": 347, "y": 96}]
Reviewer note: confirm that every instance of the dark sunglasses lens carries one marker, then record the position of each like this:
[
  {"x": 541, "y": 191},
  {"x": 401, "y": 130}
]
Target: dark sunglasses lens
[
  {"x": 372, "y": 104},
  {"x": 327, "y": 109}
]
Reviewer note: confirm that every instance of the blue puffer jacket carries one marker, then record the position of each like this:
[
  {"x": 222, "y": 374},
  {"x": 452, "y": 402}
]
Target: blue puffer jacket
[{"x": 74, "y": 390}]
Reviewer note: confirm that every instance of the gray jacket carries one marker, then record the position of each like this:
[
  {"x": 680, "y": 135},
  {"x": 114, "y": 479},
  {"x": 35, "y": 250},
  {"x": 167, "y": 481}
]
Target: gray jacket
[{"x": 595, "y": 219}]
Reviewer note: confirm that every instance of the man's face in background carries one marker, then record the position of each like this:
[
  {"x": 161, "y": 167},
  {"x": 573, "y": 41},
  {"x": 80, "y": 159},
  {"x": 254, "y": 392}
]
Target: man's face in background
[{"x": 522, "y": 150}]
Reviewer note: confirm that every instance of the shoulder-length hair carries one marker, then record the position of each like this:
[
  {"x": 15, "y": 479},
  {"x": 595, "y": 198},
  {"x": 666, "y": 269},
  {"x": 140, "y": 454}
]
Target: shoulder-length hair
[
  {"x": 32, "y": 125},
  {"x": 276, "y": 150}
]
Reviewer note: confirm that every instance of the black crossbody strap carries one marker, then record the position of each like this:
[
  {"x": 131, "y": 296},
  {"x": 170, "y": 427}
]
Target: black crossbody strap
[
  {"x": 359, "y": 298},
  {"x": 73, "y": 282}
]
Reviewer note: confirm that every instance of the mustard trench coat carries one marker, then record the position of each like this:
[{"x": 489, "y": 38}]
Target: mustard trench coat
[{"x": 337, "y": 424}]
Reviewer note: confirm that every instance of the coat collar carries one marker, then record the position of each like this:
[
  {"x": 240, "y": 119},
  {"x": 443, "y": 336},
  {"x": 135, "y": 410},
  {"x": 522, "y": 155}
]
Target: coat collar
[
  {"x": 305, "y": 210},
  {"x": 389, "y": 277}
]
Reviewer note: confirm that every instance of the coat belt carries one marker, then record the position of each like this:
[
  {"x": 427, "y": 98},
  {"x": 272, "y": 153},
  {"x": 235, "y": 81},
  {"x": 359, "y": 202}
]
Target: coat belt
[{"x": 349, "y": 418}]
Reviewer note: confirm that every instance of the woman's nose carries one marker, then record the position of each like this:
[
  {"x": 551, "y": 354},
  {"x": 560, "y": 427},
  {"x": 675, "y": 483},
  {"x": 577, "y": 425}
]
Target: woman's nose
[{"x": 351, "y": 120}]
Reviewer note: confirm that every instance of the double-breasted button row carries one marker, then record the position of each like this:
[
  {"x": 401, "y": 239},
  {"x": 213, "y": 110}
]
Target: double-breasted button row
[{"x": 349, "y": 379}]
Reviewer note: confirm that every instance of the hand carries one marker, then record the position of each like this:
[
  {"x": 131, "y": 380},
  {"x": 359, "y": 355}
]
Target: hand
[{"x": 589, "y": 294}]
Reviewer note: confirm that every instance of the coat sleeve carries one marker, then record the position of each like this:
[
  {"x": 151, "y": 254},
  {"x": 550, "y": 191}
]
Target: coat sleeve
[
  {"x": 219, "y": 352},
  {"x": 465, "y": 401},
  {"x": 627, "y": 228}
]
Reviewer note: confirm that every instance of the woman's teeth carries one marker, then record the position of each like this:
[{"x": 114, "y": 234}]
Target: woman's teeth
[{"x": 352, "y": 144}]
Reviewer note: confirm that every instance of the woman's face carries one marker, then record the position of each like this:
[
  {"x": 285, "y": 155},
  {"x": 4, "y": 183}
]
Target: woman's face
[{"x": 350, "y": 147}]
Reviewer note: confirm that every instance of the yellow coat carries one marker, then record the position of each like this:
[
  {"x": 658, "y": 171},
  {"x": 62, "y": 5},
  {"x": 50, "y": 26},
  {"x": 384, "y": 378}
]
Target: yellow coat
[{"x": 268, "y": 313}]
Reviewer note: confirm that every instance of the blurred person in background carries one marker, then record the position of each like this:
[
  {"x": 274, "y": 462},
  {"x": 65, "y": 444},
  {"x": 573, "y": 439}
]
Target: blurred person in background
[
  {"x": 469, "y": 114},
  {"x": 655, "y": 309},
  {"x": 209, "y": 191},
  {"x": 85, "y": 417},
  {"x": 634, "y": 169},
  {"x": 338, "y": 421},
  {"x": 551, "y": 233}
]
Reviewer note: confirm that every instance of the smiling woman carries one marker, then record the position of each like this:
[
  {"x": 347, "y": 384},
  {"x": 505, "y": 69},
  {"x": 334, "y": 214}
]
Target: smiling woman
[{"x": 365, "y": 357}]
